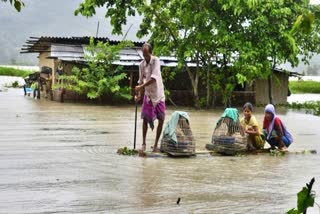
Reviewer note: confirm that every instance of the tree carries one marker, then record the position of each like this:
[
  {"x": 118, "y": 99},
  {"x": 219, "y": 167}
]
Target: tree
[
  {"x": 99, "y": 76},
  {"x": 18, "y": 4},
  {"x": 174, "y": 27},
  {"x": 272, "y": 38},
  {"x": 231, "y": 42}
]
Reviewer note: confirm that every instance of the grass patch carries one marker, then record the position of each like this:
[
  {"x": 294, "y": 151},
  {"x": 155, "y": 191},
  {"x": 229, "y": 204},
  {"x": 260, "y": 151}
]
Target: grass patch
[
  {"x": 4, "y": 71},
  {"x": 310, "y": 107},
  {"x": 300, "y": 87}
]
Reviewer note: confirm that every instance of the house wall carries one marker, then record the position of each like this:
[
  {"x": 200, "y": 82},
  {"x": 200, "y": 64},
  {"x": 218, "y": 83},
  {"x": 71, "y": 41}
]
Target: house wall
[
  {"x": 45, "y": 61},
  {"x": 59, "y": 94},
  {"x": 53, "y": 64},
  {"x": 67, "y": 67},
  {"x": 280, "y": 86},
  {"x": 180, "y": 93},
  {"x": 239, "y": 98}
]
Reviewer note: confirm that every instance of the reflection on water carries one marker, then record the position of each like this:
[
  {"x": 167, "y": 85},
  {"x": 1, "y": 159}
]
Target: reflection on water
[{"x": 58, "y": 157}]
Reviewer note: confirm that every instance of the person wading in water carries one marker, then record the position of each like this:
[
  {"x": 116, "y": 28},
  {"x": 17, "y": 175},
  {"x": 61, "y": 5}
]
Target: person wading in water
[{"x": 153, "y": 106}]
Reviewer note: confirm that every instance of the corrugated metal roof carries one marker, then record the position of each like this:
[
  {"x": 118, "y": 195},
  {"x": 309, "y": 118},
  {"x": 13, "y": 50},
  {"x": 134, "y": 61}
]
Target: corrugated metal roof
[
  {"x": 73, "y": 49},
  {"x": 71, "y": 59},
  {"x": 128, "y": 57},
  {"x": 126, "y": 63},
  {"x": 41, "y": 44},
  {"x": 58, "y": 50}
]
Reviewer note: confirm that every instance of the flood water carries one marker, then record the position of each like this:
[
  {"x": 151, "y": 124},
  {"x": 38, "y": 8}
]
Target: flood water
[
  {"x": 61, "y": 157},
  {"x": 301, "y": 98}
]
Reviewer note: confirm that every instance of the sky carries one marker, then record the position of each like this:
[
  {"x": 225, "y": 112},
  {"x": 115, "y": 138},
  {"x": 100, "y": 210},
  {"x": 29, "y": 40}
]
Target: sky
[
  {"x": 314, "y": 1},
  {"x": 49, "y": 18}
]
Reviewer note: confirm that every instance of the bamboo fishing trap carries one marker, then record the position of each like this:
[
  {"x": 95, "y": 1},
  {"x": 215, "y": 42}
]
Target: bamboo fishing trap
[
  {"x": 177, "y": 136},
  {"x": 228, "y": 137}
]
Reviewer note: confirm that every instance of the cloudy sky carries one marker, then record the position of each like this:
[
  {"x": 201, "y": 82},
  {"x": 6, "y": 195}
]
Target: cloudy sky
[{"x": 49, "y": 18}]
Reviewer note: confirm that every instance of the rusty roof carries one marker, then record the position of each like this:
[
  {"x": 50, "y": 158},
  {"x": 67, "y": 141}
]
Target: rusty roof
[
  {"x": 43, "y": 43},
  {"x": 73, "y": 49}
]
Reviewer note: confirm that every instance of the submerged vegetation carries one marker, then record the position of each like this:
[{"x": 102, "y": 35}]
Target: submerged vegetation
[
  {"x": 15, "y": 84},
  {"x": 4, "y": 71},
  {"x": 304, "y": 87},
  {"x": 310, "y": 107},
  {"x": 126, "y": 151},
  {"x": 276, "y": 152}
]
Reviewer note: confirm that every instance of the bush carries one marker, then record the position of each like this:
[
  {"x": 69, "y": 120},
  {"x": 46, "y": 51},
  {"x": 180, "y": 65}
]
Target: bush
[
  {"x": 15, "y": 84},
  {"x": 304, "y": 87}
]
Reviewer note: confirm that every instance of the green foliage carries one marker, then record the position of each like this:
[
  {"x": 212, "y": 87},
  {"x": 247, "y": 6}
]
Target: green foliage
[
  {"x": 305, "y": 199},
  {"x": 303, "y": 23},
  {"x": 276, "y": 152},
  {"x": 234, "y": 41},
  {"x": 304, "y": 86},
  {"x": 127, "y": 151},
  {"x": 240, "y": 154},
  {"x": 5, "y": 71},
  {"x": 99, "y": 77},
  {"x": 34, "y": 85},
  {"x": 15, "y": 84},
  {"x": 201, "y": 102},
  {"x": 310, "y": 107},
  {"x": 18, "y": 4}
]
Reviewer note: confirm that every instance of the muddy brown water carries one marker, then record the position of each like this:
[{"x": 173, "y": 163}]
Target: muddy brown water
[{"x": 62, "y": 158}]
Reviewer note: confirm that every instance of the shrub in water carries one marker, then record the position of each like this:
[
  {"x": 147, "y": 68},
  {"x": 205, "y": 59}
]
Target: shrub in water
[{"x": 15, "y": 84}]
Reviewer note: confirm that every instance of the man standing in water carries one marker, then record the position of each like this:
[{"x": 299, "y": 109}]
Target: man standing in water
[{"x": 153, "y": 106}]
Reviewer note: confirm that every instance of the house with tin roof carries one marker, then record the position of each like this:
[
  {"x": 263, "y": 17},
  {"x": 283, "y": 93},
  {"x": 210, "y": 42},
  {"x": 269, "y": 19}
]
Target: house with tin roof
[{"x": 58, "y": 55}]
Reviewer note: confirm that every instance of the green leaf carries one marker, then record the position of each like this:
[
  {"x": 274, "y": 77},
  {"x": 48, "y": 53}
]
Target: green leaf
[
  {"x": 304, "y": 200},
  {"x": 293, "y": 211},
  {"x": 17, "y": 5}
]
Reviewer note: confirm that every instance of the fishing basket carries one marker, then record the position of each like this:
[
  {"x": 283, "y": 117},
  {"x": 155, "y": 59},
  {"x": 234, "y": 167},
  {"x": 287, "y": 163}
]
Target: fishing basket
[
  {"x": 184, "y": 144},
  {"x": 228, "y": 137}
]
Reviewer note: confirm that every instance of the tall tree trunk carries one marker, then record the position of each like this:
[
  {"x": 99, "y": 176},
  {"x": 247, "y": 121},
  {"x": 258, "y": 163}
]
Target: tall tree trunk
[
  {"x": 229, "y": 102},
  {"x": 194, "y": 83},
  {"x": 214, "y": 96},
  {"x": 196, "y": 80},
  {"x": 227, "y": 95},
  {"x": 270, "y": 89},
  {"x": 270, "y": 81},
  {"x": 208, "y": 86}
]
